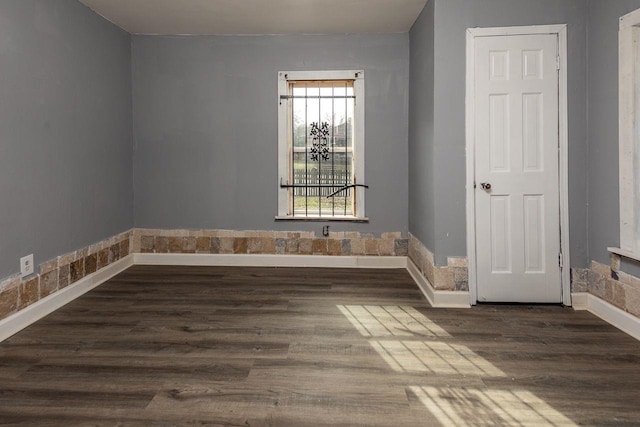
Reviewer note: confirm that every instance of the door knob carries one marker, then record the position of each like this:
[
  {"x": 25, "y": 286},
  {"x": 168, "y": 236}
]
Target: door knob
[{"x": 485, "y": 186}]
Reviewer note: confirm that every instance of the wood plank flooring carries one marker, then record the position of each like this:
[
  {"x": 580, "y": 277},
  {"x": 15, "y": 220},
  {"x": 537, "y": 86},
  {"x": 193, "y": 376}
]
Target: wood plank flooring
[{"x": 310, "y": 347}]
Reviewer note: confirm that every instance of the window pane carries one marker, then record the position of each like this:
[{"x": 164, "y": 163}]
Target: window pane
[
  {"x": 299, "y": 129},
  {"x": 326, "y": 90},
  {"x": 313, "y": 90},
  {"x": 322, "y": 158},
  {"x": 321, "y": 182},
  {"x": 340, "y": 89}
]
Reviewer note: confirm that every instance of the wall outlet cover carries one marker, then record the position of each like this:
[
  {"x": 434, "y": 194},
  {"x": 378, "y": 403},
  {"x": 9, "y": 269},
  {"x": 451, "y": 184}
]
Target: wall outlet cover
[{"x": 26, "y": 265}]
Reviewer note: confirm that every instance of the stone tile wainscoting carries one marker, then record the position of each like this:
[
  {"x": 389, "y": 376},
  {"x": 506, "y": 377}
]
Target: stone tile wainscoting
[
  {"x": 17, "y": 294},
  {"x": 269, "y": 242},
  {"x": 449, "y": 284},
  {"x": 610, "y": 284},
  {"x": 452, "y": 277}
]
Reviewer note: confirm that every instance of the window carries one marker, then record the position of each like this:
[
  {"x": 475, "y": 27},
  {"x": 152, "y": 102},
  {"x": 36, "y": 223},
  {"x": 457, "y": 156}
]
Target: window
[
  {"x": 321, "y": 145},
  {"x": 629, "y": 135}
]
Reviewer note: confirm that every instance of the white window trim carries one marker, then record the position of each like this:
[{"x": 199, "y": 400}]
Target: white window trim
[
  {"x": 358, "y": 144},
  {"x": 628, "y": 81}
]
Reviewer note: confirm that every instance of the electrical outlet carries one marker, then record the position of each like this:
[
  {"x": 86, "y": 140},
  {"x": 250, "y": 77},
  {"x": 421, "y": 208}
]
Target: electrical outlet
[{"x": 26, "y": 265}]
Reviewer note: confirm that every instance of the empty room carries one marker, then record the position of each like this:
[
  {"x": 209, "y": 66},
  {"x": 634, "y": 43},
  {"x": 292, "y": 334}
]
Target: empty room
[{"x": 319, "y": 212}]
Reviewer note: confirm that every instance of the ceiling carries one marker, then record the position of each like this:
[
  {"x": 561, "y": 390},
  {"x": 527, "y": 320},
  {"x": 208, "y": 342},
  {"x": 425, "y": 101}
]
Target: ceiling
[{"x": 259, "y": 16}]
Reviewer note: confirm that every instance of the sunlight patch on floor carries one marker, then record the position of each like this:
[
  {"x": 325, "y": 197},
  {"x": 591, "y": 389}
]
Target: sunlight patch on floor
[
  {"x": 390, "y": 321},
  {"x": 410, "y": 342},
  {"x": 488, "y": 407},
  {"x": 435, "y": 358}
]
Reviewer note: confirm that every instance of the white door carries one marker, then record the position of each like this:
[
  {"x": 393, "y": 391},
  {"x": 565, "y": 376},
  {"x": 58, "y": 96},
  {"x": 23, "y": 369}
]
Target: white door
[{"x": 516, "y": 172}]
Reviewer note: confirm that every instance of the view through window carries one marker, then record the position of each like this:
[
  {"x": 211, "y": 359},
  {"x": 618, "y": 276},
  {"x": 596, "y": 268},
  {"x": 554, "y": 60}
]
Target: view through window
[{"x": 321, "y": 147}]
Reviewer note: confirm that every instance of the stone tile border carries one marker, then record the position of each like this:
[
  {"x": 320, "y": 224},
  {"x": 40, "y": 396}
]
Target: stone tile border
[
  {"x": 58, "y": 273},
  {"x": 268, "y": 242},
  {"x": 452, "y": 277},
  {"x": 610, "y": 284}
]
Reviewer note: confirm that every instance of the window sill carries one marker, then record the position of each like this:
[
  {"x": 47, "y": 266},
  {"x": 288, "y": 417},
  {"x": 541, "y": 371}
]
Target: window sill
[
  {"x": 625, "y": 254},
  {"x": 322, "y": 219}
]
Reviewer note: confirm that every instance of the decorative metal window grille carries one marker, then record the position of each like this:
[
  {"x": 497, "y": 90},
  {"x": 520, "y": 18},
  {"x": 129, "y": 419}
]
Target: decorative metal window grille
[{"x": 321, "y": 148}]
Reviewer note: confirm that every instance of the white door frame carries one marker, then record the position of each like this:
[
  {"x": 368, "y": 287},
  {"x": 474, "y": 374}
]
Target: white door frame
[{"x": 563, "y": 138}]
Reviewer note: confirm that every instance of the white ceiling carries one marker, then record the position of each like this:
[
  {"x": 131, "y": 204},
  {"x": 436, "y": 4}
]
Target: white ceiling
[{"x": 259, "y": 16}]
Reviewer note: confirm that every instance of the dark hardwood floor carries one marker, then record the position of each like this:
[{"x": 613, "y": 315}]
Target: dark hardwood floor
[{"x": 310, "y": 347}]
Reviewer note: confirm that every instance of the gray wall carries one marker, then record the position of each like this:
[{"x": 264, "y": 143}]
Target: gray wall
[
  {"x": 205, "y": 127},
  {"x": 452, "y": 18},
  {"x": 205, "y": 113},
  {"x": 65, "y": 130},
  {"x": 421, "y": 114},
  {"x": 604, "y": 208}
]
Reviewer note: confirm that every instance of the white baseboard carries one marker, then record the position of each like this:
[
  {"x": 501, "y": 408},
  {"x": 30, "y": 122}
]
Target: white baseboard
[
  {"x": 622, "y": 320},
  {"x": 580, "y": 300},
  {"x": 36, "y": 311},
  {"x": 232, "y": 260},
  {"x": 438, "y": 299}
]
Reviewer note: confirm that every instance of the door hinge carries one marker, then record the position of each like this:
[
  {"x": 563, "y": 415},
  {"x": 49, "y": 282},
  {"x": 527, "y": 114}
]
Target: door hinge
[
  {"x": 558, "y": 62},
  {"x": 560, "y": 260}
]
